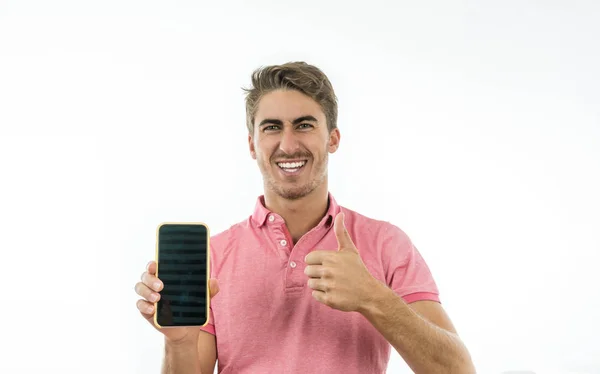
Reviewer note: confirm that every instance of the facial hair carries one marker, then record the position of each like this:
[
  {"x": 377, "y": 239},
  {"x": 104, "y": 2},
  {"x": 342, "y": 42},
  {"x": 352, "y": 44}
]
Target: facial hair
[{"x": 319, "y": 170}]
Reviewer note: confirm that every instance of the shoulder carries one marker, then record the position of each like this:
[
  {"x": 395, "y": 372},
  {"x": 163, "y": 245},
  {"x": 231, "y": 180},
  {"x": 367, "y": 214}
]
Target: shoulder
[
  {"x": 226, "y": 238},
  {"x": 223, "y": 244},
  {"x": 381, "y": 229},
  {"x": 379, "y": 240}
]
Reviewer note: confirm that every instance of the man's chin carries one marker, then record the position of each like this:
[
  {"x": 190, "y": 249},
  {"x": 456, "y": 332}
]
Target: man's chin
[{"x": 292, "y": 193}]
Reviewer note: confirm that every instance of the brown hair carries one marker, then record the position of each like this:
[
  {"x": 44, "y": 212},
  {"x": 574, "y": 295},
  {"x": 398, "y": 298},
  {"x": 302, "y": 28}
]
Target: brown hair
[{"x": 299, "y": 76}]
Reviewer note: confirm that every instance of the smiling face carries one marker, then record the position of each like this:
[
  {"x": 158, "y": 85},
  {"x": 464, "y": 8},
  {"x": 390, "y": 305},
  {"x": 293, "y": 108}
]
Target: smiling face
[{"x": 291, "y": 143}]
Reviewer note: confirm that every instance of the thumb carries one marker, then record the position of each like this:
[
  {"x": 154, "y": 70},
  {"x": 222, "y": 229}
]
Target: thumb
[{"x": 342, "y": 235}]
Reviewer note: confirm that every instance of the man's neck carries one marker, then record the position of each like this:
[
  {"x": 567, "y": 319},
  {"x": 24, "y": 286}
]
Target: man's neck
[{"x": 300, "y": 215}]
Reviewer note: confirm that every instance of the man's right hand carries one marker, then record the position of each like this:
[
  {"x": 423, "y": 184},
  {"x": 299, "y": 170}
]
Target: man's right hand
[{"x": 149, "y": 288}]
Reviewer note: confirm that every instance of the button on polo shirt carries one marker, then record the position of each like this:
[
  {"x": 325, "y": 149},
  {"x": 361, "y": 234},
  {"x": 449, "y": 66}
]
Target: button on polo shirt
[{"x": 264, "y": 316}]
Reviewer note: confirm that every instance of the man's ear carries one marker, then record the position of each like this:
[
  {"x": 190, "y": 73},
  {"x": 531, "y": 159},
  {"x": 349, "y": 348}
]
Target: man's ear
[
  {"x": 251, "y": 145},
  {"x": 334, "y": 140}
]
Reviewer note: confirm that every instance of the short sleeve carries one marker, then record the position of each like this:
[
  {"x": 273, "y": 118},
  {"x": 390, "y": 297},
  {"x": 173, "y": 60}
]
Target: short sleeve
[{"x": 406, "y": 271}]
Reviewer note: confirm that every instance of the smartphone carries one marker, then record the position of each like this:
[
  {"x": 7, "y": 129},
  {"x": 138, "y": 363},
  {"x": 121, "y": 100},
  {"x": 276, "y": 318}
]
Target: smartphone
[{"x": 182, "y": 258}]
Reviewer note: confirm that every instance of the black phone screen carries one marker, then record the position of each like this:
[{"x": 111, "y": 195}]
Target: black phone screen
[{"x": 182, "y": 268}]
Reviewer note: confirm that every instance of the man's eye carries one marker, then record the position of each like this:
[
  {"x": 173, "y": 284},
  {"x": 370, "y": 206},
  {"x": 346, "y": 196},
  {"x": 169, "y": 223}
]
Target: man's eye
[
  {"x": 307, "y": 125},
  {"x": 270, "y": 128}
]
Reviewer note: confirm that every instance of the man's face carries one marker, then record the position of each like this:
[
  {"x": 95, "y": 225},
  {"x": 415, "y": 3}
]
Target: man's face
[{"x": 291, "y": 143}]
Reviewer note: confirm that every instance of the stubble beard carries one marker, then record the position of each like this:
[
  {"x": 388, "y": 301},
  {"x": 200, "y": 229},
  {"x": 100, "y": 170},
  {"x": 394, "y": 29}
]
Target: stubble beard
[{"x": 300, "y": 191}]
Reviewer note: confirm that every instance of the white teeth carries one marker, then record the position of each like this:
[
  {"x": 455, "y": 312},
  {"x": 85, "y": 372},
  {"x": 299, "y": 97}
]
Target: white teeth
[{"x": 291, "y": 166}]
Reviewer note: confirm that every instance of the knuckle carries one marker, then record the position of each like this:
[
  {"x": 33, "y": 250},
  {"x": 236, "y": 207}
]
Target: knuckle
[
  {"x": 142, "y": 290},
  {"x": 330, "y": 286},
  {"x": 147, "y": 279}
]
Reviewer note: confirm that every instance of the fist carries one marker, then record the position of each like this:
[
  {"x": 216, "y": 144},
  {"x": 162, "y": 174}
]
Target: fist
[{"x": 340, "y": 279}]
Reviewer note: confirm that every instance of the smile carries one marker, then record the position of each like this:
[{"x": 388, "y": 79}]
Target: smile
[{"x": 291, "y": 167}]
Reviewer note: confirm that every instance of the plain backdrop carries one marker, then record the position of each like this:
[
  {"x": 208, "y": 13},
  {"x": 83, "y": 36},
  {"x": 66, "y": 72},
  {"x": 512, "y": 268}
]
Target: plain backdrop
[{"x": 472, "y": 125}]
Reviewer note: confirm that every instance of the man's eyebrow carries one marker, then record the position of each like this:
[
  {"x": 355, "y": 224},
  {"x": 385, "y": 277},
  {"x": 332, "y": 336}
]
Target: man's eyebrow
[
  {"x": 303, "y": 119},
  {"x": 279, "y": 122},
  {"x": 271, "y": 121}
]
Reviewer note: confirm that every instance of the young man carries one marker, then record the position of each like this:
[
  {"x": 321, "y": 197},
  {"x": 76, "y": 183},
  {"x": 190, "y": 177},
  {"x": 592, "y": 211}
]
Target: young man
[{"x": 306, "y": 285}]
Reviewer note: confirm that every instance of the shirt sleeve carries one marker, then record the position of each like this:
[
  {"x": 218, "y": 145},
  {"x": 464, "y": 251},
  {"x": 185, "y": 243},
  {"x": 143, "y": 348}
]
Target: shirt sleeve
[{"x": 406, "y": 271}]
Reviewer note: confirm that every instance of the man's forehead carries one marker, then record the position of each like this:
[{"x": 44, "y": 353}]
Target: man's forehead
[{"x": 287, "y": 106}]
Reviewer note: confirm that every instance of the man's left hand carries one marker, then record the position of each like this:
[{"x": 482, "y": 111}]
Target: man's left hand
[{"x": 340, "y": 279}]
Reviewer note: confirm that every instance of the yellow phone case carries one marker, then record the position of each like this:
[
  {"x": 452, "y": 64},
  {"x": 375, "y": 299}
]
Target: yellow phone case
[{"x": 207, "y": 270}]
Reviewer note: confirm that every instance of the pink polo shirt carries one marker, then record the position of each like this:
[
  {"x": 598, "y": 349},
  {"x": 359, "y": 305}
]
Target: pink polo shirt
[{"x": 265, "y": 319}]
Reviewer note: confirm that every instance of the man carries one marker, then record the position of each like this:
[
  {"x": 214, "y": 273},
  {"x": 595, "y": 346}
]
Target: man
[{"x": 306, "y": 285}]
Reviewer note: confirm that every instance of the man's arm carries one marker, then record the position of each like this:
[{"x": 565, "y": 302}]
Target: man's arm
[
  {"x": 421, "y": 333},
  {"x": 191, "y": 357}
]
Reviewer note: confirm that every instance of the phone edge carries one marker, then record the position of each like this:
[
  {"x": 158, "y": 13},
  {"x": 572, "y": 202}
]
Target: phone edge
[{"x": 155, "y": 318}]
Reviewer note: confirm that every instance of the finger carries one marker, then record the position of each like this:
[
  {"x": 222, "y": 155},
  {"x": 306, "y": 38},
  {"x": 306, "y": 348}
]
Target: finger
[
  {"x": 320, "y": 296},
  {"x": 145, "y": 308},
  {"x": 341, "y": 233},
  {"x": 151, "y": 267},
  {"x": 147, "y": 293},
  {"x": 316, "y": 257},
  {"x": 152, "y": 282},
  {"x": 213, "y": 287},
  {"x": 315, "y": 271},
  {"x": 318, "y": 284}
]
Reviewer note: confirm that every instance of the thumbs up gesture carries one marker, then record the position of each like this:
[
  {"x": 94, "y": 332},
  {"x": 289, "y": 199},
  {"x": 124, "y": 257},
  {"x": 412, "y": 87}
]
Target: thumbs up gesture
[{"x": 340, "y": 279}]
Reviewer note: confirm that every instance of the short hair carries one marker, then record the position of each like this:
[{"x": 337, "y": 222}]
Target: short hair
[{"x": 299, "y": 76}]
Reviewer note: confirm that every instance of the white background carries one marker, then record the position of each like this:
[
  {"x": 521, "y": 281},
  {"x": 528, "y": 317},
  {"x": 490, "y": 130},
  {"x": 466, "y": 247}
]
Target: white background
[{"x": 474, "y": 126}]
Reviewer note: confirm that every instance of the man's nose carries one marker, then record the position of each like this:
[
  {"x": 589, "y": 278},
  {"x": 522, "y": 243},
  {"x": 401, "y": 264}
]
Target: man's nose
[{"x": 289, "y": 141}]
